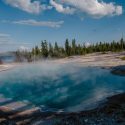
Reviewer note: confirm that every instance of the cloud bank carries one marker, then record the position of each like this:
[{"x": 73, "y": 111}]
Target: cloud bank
[{"x": 93, "y": 8}]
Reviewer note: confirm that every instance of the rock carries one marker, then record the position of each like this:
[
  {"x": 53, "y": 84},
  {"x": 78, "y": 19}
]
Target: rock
[
  {"x": 119, "y": 70},
  {"x": 86, "y": 120},
  {"x": 120, "y": 120},
  {"x": 1, "y": 62}
]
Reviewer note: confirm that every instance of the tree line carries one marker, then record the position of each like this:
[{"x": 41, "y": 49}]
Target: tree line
[{"x": 70, "y": 48}]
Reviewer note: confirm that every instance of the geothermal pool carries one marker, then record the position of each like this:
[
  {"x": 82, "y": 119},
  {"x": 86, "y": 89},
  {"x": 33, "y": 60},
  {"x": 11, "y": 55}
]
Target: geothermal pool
[{"x": 67, "y": 87}]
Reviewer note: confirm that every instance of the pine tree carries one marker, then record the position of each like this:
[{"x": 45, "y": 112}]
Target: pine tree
[
  {"x": 122, "y": 43},
  {"x": 73, "y": 47},
  {"x": 37, "y": 51},
  {"x": 51, "y": 53},
  {"x": 56, "y": 50},
  {"x": 44, "y": 49},
  {"x": 67, "y": 48}
]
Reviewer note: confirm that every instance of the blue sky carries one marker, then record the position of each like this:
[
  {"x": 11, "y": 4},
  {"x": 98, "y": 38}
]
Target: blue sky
[{"x": 24, "y": 23}]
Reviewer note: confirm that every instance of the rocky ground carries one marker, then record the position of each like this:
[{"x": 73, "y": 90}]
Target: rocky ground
[
  {"x": 110, "y": 113},
  {"x": 118, "y": 70},
  {"x": 108, "y": 59}
]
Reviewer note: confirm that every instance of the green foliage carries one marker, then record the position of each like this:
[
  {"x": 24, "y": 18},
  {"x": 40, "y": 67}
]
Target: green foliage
[
  {"x": 22, "y": 56},
  {"x": 48, "y": 50},
  {"x": 36, "y": 51},
  {"x": 56, "y": 50},
  {"x": 51, "y": 50},
  {"x": 44, "y": 48},
  {"x": 73, "y": 49},
  {"x": 123, "y": 58},
  {"x": 67, "y": 48}
]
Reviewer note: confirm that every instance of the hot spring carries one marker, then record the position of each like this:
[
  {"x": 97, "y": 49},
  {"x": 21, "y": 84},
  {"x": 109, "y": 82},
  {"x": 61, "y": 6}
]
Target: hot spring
[{"x": 66, "y": 87}]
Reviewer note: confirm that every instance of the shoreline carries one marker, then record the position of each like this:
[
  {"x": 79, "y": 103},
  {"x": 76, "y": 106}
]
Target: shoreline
[
  {"x": 106, "y": 60},
  {"x": 5, "y": 67},
  {"x": 111, "y": 112}
]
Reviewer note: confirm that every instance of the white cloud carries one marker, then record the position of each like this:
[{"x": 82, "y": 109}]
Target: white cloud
[
  {"x": 94, "y": 8},
  {"x": 61, "y": 9},
  {"x": 24, "y": 48},
  {"x": 33, "y": 22},
  {"x": 29, "y": 6},
  {"x": 6, "y": 39},
  {"x": 8, "y": 44},
  {"x": 87, "y": 44},
  {"x": 4, "y": 35}
]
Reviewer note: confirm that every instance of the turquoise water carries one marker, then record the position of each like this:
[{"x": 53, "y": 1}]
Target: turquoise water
[
  {"x": 7, "y": 58},
  {"x": 60, "y": 87}
]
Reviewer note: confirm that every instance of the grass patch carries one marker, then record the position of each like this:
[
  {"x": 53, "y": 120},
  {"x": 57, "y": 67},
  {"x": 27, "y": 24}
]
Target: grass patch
[{"x": 123, "y": 58}]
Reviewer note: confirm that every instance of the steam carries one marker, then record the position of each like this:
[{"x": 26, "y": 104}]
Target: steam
[{"x": 61, "y": 86}]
